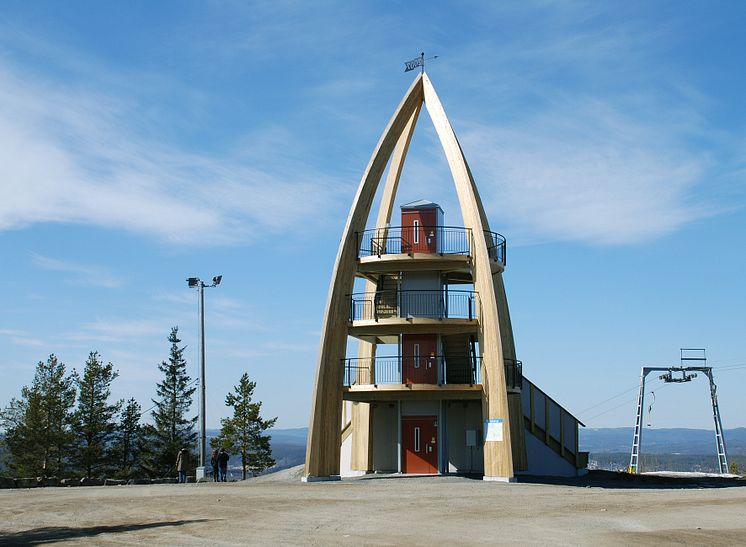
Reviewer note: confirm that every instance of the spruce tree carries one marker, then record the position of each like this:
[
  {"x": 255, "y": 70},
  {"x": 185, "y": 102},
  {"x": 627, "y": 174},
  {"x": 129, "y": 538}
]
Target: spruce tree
[
  {"x": 128, "y": 440},
  {"x": 242, "y": 433},
  {"x": 95, "y": 417},
  {"x": 38, "y": 426},
  {"x": 12, "y": 419},
  {"x": 171, "y": 430}
]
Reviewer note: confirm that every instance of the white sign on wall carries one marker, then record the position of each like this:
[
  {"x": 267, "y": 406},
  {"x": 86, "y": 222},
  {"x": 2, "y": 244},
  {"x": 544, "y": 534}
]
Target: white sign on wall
[{"x": 493, "y": 429}]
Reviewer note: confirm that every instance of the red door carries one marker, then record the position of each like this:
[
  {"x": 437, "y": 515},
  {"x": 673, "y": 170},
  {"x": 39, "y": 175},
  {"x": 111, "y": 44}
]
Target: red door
[
  {"x": 419, "y": 231},
  {"x": 419, "y": 444},
  {"x": 419, "y": 359}
]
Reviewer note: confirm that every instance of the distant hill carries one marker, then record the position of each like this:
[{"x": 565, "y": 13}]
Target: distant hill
[
  {"x": 288, "y": 447},
  {"x": 661, "y": 441},
  {"x": 600, "y": 440},
  {"x": 672, "y": 449}
]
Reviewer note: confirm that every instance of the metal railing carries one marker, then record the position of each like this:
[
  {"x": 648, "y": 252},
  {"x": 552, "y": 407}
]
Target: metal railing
[
  {"x": 423, "y": 370},
  {"x": 496, "y": 247},
  {"x": 513, "y": 374},
  {"x": 438, "y": 304},
  {"x": 434, "y": 369},
  {"x": 444, "y": 240},
  {"x": 410, "y": 239}
]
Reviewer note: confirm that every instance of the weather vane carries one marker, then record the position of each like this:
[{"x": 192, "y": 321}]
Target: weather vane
[{"x": 418, "y": 61}]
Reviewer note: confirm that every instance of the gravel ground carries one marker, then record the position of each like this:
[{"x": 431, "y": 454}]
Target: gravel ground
[{"x": 278, "y": 509}]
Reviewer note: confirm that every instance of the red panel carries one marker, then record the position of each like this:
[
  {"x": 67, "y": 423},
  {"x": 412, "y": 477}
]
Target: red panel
[
  {"x": 419, "y": 444},
  {"x": 422, "y": 368},
  {"x": 419, "y": 230}
]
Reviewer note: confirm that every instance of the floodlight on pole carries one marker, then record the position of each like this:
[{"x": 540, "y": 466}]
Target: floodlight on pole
[{"x": 196, "y": 282}]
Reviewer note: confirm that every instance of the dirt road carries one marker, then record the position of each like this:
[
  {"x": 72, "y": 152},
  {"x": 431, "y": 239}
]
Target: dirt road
[{"x": 381, "y": 511}]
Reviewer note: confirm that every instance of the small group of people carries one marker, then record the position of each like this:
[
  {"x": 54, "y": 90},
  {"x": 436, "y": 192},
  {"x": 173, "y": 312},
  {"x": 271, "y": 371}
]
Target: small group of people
[{"x": 219, "y": 461}]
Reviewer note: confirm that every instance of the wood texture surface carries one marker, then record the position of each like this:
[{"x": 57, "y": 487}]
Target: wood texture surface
[
  {"x": 362, "y": 417},
  {"x": 495, "y": 332},
  {"x": 498, "y": 458},
  {"x": 324, "y": 431}
]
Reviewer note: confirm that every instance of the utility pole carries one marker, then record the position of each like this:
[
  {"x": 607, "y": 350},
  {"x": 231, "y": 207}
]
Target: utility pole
[{"x": 200, "y": 285}]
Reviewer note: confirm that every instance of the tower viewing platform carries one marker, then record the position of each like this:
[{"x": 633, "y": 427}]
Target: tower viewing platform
[{"x": 431, "y": 382}]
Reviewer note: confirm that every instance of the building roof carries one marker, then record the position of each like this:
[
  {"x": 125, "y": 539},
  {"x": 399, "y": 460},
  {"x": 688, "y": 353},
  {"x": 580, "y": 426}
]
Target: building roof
[{"x": 421, "y": 204}]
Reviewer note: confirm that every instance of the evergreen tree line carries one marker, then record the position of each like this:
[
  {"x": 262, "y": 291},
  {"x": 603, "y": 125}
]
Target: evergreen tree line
[{"x": 65, "y": 424}]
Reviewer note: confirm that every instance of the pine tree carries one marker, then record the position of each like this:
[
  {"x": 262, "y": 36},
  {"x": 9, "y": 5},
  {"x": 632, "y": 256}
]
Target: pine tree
[
  {"x": 95, "y": 417},
  {"x": 127, "y": 444},
  {"x": 38, "y": 430},
  {"x": 171, "y": 429},
  {"x": 12, "y": 419},
  {"x": 242, "y": 433}
]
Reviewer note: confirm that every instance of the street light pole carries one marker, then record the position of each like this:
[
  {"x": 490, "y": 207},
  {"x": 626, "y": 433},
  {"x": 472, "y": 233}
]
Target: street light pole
[
  {"x": 202, "y": 381},
  {"x": 200, "y": 285}
]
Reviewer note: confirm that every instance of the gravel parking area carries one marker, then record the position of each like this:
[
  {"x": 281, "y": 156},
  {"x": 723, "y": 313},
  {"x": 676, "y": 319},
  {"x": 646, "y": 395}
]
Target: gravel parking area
[{"x": 279, "y": 509}]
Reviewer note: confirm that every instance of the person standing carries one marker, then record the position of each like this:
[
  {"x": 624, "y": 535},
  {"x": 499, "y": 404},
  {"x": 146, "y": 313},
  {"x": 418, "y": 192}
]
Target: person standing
[
  {"x": 223, "y": 458},
  {"x": 182, "y": 463},
  {"x": 214, "y": 463}
]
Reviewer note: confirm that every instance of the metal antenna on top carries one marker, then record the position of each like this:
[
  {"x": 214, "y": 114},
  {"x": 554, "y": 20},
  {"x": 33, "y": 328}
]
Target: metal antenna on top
[{"x": 418, "y": 62}]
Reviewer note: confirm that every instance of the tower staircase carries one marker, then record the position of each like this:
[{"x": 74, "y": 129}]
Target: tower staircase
[
  {"x": 459, "y": 366},
  {"x": 549, "y": 422}
]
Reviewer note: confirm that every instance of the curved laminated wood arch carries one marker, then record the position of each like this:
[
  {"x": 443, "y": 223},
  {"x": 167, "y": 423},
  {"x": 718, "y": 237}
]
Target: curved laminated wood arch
[
  {"x": 362, "y": 455},
  {"x": 498, "y": 458},
  {"x": 324, "y": 435}
]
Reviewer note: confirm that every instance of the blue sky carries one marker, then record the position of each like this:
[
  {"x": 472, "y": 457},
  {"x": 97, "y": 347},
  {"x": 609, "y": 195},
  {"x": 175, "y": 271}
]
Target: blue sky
[{"x": 142, "y": 143}]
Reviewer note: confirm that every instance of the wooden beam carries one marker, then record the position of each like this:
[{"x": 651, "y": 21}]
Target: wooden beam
[
  {"x": 324, "y": 434},
  {"x": 362, "y": 416},
  {"x": 498, "y": 459}
]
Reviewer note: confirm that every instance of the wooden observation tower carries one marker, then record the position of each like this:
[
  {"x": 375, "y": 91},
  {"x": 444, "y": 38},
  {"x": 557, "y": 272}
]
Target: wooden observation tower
[{"x": 435, "y": 386}]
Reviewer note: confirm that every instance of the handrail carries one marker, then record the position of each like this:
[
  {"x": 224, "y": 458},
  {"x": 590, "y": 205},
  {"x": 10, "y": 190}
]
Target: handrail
[
  {"x": 439, "y": 304},
  {"x": 513, "y": 374},
  {"x": 533, "y": 386},
  {"x": 496, "y": 247},
  {"x": 409, "y": 239},
  {"x": 434, "y": 369},
  {"x": 443, "y": 240}
]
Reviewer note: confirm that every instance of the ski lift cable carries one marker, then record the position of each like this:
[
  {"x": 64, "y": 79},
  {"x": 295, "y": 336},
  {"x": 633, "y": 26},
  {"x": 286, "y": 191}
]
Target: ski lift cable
[
  {"x": 633, "y": 388},
  {"x": 626, "y": 402}
]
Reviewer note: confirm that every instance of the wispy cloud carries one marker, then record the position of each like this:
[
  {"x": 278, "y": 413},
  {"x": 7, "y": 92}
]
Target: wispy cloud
[
  {"x": 106, "y": 330},
  {"x": 180, "y": 297},
  {"x": 576, "y": 133},
  {"x": 83, "y": 152},
  {"x": 586, "y": 172},
  {"x": 21, "y": 337},
  {"x": 82, "y": 274},
  {"x": 574, "y": 128}
]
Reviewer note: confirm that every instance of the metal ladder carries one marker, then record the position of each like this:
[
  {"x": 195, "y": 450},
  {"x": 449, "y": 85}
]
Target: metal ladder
[
  {"x": 693, "y": 355},
  {"x": 634, "y": 460},
  {"x": 719, "y": 438}
]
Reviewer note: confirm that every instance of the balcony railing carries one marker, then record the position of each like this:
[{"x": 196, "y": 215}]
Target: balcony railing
[
  {"x": 423, "y": 370},
  {"x": 435, "y": 369},
  {"x": 513, "y": 374},
  {"x": 405, "y": 304},
  {"x": 410, "y": 239},
  {"x": 496, "y": 247},
  {"x": 444, "y": 240}
]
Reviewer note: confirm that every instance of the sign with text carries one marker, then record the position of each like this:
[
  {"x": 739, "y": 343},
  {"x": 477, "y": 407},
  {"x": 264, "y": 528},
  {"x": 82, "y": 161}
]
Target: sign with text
[
  {"x": 414, "y": 63},
  {"x": 493, "y": 429}
]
